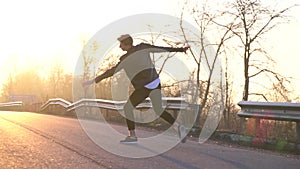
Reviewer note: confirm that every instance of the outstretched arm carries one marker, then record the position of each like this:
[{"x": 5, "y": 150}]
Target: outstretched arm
[
  {"x": 157, "y": 49},
  {"x": 105, "y": 75},
  {"x": 97, "y": 79}
]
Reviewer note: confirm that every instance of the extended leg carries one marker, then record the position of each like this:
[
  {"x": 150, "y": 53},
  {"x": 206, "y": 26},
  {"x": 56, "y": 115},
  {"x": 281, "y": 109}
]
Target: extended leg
[
  {"x": 156, "y": 99},
  {"x": 135, "y": 98}
]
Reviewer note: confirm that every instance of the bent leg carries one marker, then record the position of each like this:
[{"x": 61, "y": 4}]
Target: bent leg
[{"x": 156, "y": 99}]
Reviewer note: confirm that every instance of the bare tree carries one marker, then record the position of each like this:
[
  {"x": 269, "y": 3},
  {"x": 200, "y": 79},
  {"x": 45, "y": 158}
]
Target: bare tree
[
  {"x": 280, "y": 91},
  {"x": 205, "y": 20},
  {"x": 55, "y": 78},
  {"x": 229, "y": 105},
  {"x": 89, "y": 61},
  {"x": 7, "y": 88},
  {"x": 254, "y": 21}
]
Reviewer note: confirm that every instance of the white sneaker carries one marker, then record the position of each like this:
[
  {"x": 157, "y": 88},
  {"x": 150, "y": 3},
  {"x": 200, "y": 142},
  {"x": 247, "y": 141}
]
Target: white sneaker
[
  {"x": 129, "y": 140},
  {"x": 182, "y": 133}
]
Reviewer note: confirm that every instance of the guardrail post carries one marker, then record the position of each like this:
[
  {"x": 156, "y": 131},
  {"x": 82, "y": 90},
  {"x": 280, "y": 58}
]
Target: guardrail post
[
  {"x": 298, "y": 132},
  {"x": 257, "y": 127}
]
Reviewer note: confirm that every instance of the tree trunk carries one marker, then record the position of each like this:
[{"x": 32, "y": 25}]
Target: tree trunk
[{"x": 246, "y": 70}]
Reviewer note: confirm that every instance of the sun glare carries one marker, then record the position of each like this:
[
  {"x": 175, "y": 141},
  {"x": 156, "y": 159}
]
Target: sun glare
[{"x": 52, "y": 33}]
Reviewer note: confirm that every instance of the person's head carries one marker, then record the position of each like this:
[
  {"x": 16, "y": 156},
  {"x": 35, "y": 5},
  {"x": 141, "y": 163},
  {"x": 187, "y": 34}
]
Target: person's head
[{"x": 126, "y": 42}]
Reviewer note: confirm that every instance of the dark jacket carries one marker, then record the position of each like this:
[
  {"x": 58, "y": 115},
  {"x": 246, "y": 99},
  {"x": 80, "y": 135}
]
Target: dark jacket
[{"x": 138, "y": 65}]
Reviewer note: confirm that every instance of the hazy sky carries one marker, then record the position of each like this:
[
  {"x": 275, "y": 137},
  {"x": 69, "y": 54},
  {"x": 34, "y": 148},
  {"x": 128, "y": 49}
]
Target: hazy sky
[
  {"x": 38, "y": 33},
  {"x": 35, "y": 32}
]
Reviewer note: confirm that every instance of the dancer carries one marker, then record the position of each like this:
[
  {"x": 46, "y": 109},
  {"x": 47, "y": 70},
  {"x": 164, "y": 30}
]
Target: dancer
[{"x": 142, "y": 73}]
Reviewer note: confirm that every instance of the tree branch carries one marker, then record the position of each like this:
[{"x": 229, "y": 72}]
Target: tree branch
[
  {"x": 261, "y": 71},
  {"x": 260, "y": 94}
]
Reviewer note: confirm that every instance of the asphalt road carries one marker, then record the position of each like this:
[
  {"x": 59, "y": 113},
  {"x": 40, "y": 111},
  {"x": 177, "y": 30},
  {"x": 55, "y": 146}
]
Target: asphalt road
[{"x": 30, "y": 140}]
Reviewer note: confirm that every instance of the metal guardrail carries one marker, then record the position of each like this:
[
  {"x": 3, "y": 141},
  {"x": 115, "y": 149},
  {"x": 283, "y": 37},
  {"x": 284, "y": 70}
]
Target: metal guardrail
[
  {"x": 174, "y": 103},
  {"x": 273, "y": 111},
  {"x": 270, "y": 110},
  {"x": 56, "y": 101},
  {"x": 171, "y": 103},
  {"x": 11, "y": 104}
]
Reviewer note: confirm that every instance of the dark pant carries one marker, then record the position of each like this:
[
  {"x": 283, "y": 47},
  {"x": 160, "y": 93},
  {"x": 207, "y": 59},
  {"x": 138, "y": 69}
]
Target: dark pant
[{"x": 137, "y": 97}]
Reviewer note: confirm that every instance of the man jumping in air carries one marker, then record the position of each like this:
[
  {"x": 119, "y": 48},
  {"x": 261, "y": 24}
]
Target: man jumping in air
[{"x": 141, "y": 71}]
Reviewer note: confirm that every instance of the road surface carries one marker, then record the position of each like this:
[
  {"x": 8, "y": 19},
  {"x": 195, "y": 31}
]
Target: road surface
[{"x": 31, "y": 140}]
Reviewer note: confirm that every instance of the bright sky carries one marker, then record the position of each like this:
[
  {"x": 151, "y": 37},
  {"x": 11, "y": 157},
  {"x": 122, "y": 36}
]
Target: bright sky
[{"x": 38, "y": 33}]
